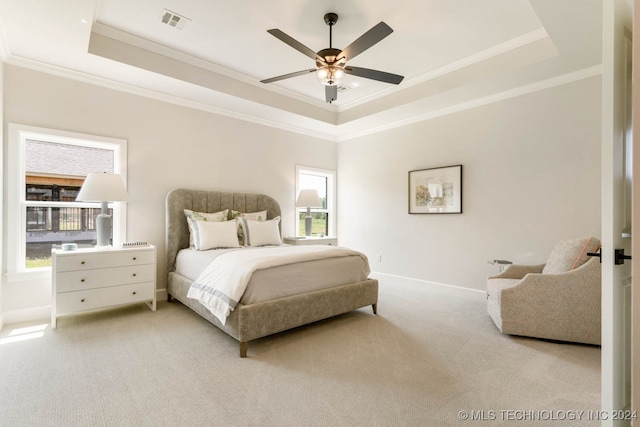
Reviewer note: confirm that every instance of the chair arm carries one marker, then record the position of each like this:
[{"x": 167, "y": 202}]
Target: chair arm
[
  {"x": 588, "y": 273},
  {"x": 563, "y": 306},
  {"x": 515, "y": 271}
]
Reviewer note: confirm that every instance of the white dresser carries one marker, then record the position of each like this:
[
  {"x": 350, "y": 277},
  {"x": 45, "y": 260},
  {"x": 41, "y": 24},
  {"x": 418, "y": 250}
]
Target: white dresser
[{"x": 88, "y": 279}]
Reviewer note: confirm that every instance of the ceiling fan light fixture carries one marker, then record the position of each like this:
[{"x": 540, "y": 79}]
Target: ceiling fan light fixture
[{"x": 329, "y": 75}]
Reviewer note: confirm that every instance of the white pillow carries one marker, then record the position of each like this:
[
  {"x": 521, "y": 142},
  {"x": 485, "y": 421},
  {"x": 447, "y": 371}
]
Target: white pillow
[
  {"x": 212, "y": 234},
  {"x": 202, "y": 216},
  {"x": 261, "y": 233}
]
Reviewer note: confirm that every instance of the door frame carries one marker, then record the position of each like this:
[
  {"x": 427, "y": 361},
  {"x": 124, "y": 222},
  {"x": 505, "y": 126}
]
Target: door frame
[{"x": 617, "y": 33}]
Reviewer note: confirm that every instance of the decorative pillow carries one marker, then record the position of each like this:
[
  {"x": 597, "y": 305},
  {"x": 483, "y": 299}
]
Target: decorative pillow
[
  {"x": 206, "y": 216},
  {"x": 569, "y": 254},
  {"x": 254, "y": 216},
  {"x": 203, "y": 216},
  {"x": 214, "y": 234},
  {"x": 261, "y": 233}
]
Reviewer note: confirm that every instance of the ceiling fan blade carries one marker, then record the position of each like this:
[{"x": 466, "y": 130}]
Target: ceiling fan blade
[
  {"x": 288, "y": 76},
  {"x": 368, "y": 73},
  {"x": 331, "y": 93},
  {"x": 295, "y": 44},
  {"x": 365, "y": 41}
]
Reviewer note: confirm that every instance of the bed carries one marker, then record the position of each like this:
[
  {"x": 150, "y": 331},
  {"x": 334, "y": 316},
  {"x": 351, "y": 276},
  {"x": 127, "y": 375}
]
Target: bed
[{"x": 255, "y": 318}]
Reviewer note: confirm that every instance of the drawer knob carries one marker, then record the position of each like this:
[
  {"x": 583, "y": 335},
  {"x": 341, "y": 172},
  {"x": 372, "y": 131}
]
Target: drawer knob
[
  {"x": 82, "y": 300},
  {"x": 134, "y": 292},
  {"x": 82, "y": 262},
  {"x": 82, "y": 280},
  {"x": 134, "y": 274},
  {"x": 134, "y": 258}
]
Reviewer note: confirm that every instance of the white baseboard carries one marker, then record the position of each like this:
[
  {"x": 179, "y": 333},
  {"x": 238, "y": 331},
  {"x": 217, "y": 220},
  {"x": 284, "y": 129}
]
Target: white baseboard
[
  {"x": 412, "y": 281},
  {"x": 44, "y": 312},
  {"x": 27, "y": 315}
]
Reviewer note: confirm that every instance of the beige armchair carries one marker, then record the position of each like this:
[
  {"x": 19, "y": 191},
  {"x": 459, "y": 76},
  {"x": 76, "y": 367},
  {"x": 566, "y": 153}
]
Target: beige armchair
[{"x": 559, "y": 300}]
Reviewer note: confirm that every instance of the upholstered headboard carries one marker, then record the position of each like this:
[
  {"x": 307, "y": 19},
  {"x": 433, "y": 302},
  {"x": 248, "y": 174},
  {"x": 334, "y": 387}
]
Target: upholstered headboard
[{"x": 176, "y": 229}]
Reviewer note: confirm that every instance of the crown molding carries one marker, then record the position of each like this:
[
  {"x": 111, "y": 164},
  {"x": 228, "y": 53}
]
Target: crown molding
[
  {"x": 567, "y": 78},
  {"x": 297, "y": 124}
]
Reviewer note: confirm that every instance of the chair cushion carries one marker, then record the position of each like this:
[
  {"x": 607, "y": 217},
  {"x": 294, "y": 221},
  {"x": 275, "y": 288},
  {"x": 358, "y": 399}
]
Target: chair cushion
[{"x": 569, "y": 254}]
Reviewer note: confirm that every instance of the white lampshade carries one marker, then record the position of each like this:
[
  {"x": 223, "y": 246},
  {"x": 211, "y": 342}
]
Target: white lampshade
[
  {"x": 102, "y": 187},
  {"x": 308, "y": 198}
]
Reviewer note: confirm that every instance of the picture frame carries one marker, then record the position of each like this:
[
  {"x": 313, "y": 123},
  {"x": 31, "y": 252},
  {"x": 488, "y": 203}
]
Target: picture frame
[{"x": 436, "y": 190}]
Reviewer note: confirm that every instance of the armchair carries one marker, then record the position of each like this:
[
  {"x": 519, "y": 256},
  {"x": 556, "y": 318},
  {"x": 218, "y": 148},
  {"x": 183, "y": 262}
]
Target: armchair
[{"x": 559, "y": 300}]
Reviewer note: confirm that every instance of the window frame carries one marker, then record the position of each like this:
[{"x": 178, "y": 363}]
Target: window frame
[
  {"x": 17, "y": 203},
  {"x": 330, "y": 175}
]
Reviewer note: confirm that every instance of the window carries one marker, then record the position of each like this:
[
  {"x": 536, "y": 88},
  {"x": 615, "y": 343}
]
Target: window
[
  {"x": 324, "y": 219},
  {"x": 46, "y": 170}
]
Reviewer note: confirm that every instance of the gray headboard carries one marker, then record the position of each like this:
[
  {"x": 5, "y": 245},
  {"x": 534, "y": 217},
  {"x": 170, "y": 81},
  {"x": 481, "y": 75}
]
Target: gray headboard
[{"x": 176, "y": 230}]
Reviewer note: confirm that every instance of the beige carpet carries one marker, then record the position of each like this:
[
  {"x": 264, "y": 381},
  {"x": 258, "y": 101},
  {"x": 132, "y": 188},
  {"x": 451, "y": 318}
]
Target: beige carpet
[{"x": 429, "y": 354}]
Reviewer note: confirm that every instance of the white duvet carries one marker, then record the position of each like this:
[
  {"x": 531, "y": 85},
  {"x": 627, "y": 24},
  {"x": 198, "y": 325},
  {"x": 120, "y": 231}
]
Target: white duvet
[{"x": 223, "y": 282}]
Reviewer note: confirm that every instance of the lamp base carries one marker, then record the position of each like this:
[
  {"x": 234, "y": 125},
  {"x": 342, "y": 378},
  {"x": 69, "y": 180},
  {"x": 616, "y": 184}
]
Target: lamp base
[
  {"x": 103, "y": 227},
  {"x": 307, "y": 225}
]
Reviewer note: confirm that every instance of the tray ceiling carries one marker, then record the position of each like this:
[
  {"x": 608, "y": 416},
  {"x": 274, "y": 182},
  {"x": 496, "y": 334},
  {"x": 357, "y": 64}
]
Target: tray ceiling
[{"x": 454, "y": 54}]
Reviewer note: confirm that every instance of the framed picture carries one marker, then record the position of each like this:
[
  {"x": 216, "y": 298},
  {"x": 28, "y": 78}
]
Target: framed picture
[{"x": 435, "y": 190}]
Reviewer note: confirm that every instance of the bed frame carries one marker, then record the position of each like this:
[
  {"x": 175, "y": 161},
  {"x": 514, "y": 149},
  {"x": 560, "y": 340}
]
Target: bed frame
[{"x": 253, "y": 321}]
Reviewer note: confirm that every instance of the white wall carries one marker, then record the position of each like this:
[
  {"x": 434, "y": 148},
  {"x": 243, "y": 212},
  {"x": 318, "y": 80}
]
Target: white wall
[
  {"x": 169, "y": 146},
  {"x": 2, "y": 234},
  {"x": 531, "y": 176}
]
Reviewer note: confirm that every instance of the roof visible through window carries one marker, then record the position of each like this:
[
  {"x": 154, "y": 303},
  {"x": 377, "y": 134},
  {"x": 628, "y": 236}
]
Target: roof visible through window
[{"x": 42, "y": 157}]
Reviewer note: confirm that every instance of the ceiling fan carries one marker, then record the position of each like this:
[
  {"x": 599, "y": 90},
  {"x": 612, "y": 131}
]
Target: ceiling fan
[{"x": 331, "y": 63}]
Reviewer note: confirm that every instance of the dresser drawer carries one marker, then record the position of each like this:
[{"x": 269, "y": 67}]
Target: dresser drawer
[
  {"x": 72, "y": 302},
  {"x": 88, "y": 279},
  {"x": 90, "y": 261}
]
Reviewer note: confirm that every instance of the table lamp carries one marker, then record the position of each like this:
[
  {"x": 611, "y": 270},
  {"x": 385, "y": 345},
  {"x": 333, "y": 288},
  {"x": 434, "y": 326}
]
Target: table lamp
[
  {"x": 308, "y": 198},
  {"x": 103, "y": 188}
]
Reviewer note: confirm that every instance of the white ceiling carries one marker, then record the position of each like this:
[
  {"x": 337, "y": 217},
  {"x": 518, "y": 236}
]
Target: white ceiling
[{"x": 454, "y": 54}]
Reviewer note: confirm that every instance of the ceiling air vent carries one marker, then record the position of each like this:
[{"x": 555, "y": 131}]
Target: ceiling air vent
[{"x": 174, "y": 20}]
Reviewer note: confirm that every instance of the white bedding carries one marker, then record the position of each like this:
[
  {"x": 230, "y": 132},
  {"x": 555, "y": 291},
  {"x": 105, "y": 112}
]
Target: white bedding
[
  {"x": 223, "y": 282},
  {"x": 190, "y": 263}
]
